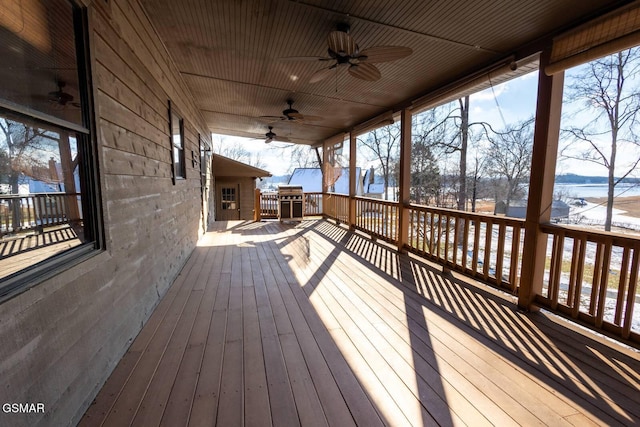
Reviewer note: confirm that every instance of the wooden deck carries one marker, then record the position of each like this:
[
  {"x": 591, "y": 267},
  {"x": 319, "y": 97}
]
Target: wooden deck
[
  {"x": 308, "y": 324},
  {"x": 22, "y": 251}
]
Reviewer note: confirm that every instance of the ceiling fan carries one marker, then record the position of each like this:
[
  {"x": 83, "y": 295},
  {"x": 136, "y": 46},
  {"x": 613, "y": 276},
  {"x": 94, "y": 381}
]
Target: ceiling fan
[
  {"x": 346, "y": 52},
  {"x": 271, "y": 136},
  {"x": 60, "y": 97},
  {"x": 290, "y": 114}
]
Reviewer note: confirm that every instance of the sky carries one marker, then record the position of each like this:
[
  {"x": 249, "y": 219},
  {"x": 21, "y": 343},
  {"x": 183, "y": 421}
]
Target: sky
[
  {"x": 275, "y": 160},
  {"x": 509, "y": 102}
]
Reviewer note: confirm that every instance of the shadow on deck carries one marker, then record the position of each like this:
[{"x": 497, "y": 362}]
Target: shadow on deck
[
  {"x": 25, "y": 249},
  {"x": 309, "y": 324}
]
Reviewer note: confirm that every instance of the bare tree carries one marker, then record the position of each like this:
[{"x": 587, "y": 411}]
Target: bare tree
[
  {"x": 236, "y": 151},
  {"x": 427, "y": 132},
  {"x": 450, "y": 123},
  {"x": 434, "y": 133},
  {"x": 25, "y": 149},
  {"x": 479, "y": 164},
  {"x": 300, "y": 155},
  {"x": 384, "y": 144},
  {"x": 24, "y": 152},
  {"x": 425, "y": 174},
  {"x": 607, "y": 90},
  {"x": 508, "y": 158}
]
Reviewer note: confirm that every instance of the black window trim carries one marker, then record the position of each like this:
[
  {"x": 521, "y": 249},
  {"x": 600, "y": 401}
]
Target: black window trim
[
  {"x": 31, "y": 276},
  {"x": 174, "y": 174}
]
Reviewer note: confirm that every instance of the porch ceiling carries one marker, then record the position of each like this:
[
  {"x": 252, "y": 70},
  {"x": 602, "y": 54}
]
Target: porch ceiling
[{"x": 229, "y": 53}]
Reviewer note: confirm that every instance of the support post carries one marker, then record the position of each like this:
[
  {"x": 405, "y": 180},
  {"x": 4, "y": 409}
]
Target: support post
[
  {"x": 352, "y": 180},
  {"x": 257, "y": 209},
  {"x": 327, "y": 161},
  {"x": 404, "y": 179},
  {"x": 67, "y": 163},
  {"x": 543, "y": 168}
]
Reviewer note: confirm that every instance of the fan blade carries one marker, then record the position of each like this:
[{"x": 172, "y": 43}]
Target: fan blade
[
  {"x": 365, "y": 71},
  {"x": 313, "y": 118},
  {"x": 304, "y": 58},
  {"x": 341, "y": 43},
  {"x": 321, "y": 74},
  {"x": 272, "y": 118},
  {"x": 304, "y": 118},
  {"x": 384, "y": 54}
]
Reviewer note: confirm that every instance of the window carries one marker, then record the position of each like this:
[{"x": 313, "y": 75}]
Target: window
[
  {"x": 178, "y": 167},
  {"x": 228, "y": 198},
  {"x": 49, "y": 209}
]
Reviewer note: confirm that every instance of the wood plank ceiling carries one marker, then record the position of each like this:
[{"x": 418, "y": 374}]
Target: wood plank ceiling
[{"x": 230, "y": 53}]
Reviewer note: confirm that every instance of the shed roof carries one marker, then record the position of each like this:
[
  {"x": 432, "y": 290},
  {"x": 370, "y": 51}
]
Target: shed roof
[{"x": 224, "y": 166}]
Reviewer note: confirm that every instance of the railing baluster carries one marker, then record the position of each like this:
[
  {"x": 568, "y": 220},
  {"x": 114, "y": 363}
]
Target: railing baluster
[
  {"x": 555, "y": 269},
  {"x": 622, "y": 285},
  {"x": 438, "y": 240},
  {"x": 446, "y": 238},
  {"x": 500, "y": 254},
  {"x": 572, "y": 273},
  {"x": 595, "y": 282},
  {"x": 465, "y": 244},
  {"x": 631, "y": 294},
  {"x": 604, "y": 282},
  {"x": 515, "y": 257},
  {"x": 487, "y": 248},
  {"x": 579, "y": 277},
  {"x": 476, "y": 245}
]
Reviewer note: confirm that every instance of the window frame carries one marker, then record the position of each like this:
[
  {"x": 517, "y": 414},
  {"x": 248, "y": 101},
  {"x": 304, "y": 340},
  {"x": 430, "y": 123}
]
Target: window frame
[
  {"x": 91, "y": 200},
  {"x": 232, "y": 203},
  {"x": 180, "y": 162}
]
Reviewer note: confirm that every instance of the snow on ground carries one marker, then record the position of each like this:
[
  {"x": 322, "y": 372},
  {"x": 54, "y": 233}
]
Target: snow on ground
[{"x": 594, "y": 214}]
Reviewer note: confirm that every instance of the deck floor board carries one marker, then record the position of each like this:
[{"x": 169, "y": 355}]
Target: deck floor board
[{"x": 310, "y": 324}]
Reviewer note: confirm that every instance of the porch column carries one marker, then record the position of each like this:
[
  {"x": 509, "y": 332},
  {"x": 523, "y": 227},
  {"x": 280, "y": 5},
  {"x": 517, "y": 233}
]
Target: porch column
[
  {"x": 257, "y": 208},
  {"x": 404, "y": 179},
  {"x": 352, "y": 180},
  {"x": 543, "y": 169},
  {"x": 68, "y": 166},
  {"x": 327, "y": 161}
]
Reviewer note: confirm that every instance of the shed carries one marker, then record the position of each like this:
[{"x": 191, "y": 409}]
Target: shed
[
  {"x": 235, "y": 184},
  {"x": 311, "y": 181},
  {"x": 518, "y": 209}
]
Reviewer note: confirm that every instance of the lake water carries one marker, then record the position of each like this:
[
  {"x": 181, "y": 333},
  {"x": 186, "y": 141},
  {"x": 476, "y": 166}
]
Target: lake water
[{"x": 596, "y": 190}]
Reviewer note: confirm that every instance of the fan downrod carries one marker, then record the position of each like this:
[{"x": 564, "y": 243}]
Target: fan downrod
[{"x": 289, "y": 111}]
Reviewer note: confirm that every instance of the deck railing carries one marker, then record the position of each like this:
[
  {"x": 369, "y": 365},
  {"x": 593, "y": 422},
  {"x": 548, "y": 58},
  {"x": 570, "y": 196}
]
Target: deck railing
[
  {"x": 483, "y": 246},
  {"x": 377, "y": 217},
  {"x": 269, "y": 205},
  {"x": 336, "y": 206},
  {"x": 593, "y": 276},
  {"x": 312, "y": 204},
  {"x": 35, "y": 211}
]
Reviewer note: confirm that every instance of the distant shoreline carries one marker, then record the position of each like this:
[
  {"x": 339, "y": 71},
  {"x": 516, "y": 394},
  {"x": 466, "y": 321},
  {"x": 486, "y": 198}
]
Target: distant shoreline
[{"x": 631, "y": 204}]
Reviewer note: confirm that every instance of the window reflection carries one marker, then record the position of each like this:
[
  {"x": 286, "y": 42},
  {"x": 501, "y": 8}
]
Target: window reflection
[
  {"x": 40, "y": 202},
  {"x": 39, "y": 66}
]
